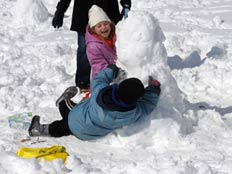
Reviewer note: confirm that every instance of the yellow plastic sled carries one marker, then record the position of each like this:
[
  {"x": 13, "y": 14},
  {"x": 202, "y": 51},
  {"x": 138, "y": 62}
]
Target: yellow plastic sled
[{"x": 48, "y": 154}]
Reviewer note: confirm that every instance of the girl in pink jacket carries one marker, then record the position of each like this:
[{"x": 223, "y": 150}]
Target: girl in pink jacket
[{"x": 100, "y": 40}]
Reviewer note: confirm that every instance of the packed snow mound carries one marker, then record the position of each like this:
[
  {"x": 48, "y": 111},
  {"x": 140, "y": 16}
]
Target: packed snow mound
[
  {"x": 38, "y": 62},
  {"x": 140, "y": 45},
  {"x": 141, "y": 53},
  {"x": 30, "y": 12}
]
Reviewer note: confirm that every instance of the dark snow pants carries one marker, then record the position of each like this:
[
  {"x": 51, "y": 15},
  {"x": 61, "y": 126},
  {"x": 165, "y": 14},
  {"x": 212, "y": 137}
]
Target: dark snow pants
[{"x": 60, "y": 128}]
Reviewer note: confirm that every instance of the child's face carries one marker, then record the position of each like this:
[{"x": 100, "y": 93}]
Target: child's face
[{"x": 103, "y": 29}]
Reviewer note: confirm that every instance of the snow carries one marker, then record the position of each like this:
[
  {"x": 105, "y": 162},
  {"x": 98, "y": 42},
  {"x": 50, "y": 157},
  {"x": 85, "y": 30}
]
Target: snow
[{"x": 184, "y": 44}]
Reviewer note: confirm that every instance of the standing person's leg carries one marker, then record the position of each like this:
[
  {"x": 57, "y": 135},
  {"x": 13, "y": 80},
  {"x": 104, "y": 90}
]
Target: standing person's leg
[{"x": 82, "y": 78}]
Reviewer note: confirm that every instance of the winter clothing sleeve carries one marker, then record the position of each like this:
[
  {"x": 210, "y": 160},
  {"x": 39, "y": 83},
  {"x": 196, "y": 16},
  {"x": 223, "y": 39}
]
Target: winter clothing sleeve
[
  {"x": 115, "y": 70},
  {"x": 122, "y": 75},
  {"x": 113, "y": 12},
  {"x": 150, "y": 99},
  {"x": 105, "y": 77},
  {"x": 63, "y": 5},
  {"x": 145, "y": 105},
  {"x": 57, "y": 20}
]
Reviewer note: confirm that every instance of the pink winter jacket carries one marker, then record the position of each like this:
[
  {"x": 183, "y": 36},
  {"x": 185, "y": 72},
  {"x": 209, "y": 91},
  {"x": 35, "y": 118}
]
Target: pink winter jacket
[{"x": 99, "y": 54}]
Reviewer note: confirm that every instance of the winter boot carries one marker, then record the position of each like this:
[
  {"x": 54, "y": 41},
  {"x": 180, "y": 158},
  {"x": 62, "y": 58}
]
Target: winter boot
[
  {"x": 37, "y": 129},
  {"x": 70, "y": 92}
]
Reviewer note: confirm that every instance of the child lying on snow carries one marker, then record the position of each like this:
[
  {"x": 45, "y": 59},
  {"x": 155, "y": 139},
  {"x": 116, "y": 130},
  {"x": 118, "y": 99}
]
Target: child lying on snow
[{"x": 109, "y": 107}]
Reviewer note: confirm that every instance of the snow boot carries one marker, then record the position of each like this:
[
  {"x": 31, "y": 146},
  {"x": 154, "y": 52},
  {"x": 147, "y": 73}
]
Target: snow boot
[
  {"x": 69, "y": 93},
  {"x": 37, "y": 129}
]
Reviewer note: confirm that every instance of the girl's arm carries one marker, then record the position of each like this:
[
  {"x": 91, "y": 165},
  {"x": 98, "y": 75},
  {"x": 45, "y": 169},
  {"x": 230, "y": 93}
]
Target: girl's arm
[{"x": 96, "y": 58}]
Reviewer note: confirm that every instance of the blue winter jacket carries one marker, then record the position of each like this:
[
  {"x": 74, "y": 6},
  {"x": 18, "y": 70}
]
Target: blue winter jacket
[{"x": 88, "y": 120}]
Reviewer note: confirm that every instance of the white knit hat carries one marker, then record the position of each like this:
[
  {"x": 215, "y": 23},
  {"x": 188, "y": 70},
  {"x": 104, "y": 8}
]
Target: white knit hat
[{"x": 96, "y": 15}]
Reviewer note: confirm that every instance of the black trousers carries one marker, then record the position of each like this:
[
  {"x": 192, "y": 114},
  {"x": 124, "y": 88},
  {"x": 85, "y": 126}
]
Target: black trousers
[
  {"x": 60, "y": 128},
  {"x": 82, "y": 78}
]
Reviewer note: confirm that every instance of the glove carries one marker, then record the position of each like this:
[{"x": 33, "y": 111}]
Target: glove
[
  {"x": 152, "y": 81},
  {"x": 155, "y": 84},
  {"x": 57, "y": 20},
  {"x": 126, "y": 4},
  {"x": 122, "y": 75},
  {"x": 124, "y": 12}
]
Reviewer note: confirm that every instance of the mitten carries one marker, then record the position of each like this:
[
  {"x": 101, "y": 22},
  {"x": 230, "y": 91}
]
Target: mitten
[
  {"x": 115, "y": 70},
  {"x": 124, "y": 12},
  {"x": 155, "y": 84},
  {"x": 126, "y": 5},
  {"x": 122, "y": 75},
  {"x": 57, "y": 20}
]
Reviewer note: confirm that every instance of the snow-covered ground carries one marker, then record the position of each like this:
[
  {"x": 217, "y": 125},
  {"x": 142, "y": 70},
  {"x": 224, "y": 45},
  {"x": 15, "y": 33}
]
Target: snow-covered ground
[{"x": 186, "y": 44}]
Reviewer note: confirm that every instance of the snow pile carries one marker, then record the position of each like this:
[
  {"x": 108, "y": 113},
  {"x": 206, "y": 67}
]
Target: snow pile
[
  {"x": 142, "y": 53},
  {"x": 186, "y": 45},
  {"x": 32, "y": 59},
  {"x": 28, "y": 12}
]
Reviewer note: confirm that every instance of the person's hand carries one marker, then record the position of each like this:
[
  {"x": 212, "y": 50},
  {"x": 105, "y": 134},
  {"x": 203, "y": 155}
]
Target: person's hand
[
  {"x": 126, "y": 5},
  {"x": 57, "y": 20},
  {"x": 155, "y": 84},
  {"x": 124, "y": 12},
  {"x": 122, "y": 75},
  {"x": 152, "y": 81}
]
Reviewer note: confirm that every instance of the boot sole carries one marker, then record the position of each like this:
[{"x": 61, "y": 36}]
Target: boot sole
[
  {"x": 67, "y": 94},
  {"x": 32, "y": 124}
]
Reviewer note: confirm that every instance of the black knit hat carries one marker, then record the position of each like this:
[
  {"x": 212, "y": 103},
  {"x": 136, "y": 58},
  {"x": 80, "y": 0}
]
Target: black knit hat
[{"x": 130, "y": 90}]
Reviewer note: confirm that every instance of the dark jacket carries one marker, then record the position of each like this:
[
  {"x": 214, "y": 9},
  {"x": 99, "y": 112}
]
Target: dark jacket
[{"x": 81, "y": 8}]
